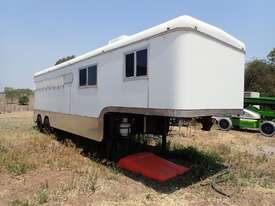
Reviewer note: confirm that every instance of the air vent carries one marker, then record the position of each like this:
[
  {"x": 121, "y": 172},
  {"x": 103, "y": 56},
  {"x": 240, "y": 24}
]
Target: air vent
[{"x": 117, "y": 39}]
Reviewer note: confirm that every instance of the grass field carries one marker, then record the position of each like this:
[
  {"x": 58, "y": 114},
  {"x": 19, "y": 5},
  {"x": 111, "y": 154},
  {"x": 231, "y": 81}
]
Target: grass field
[{"x": 37, "y": 169}]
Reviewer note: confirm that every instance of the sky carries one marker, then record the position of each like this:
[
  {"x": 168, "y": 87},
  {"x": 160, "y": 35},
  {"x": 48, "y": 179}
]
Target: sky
[{"x": 34, "y": 34}]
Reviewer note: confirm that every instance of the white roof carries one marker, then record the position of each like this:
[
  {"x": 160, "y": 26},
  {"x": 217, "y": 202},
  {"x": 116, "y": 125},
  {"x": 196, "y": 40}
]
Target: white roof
[{"x": 184, "y": 22}]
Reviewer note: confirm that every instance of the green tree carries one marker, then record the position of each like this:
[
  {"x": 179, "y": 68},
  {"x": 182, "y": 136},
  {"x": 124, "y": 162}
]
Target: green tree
[
  {"x": 10, "y": 94},
  {"x": 64, "y": 59},
  {"x": 260, "y": 77},
  {"x": 27, "y": 92},
  {"x": 271, "y": 56},
  {"x": 24, "y": 100}
]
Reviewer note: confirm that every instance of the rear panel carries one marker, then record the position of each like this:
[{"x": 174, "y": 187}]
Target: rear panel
[{"x": 210, "y": 74}]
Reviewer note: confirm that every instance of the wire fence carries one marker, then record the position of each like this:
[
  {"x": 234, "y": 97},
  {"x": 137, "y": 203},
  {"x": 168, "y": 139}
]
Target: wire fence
[{"x": 8, "y": 108}]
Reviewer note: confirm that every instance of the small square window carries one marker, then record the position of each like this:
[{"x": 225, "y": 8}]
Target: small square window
[
  {"x": 141, "y": 63},
  {"x": 136, "y": 63},
  {"x": 130, "y": 65},
  {"x": 92, "y": 75},
  {"x": 82, "y": 77}
]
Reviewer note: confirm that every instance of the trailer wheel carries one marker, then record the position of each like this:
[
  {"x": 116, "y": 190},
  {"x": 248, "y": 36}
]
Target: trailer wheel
[
  {"x": 207, "y": 123},
  {"x": 267, "y": 128},
  {"x": 39, "y": 122},
  {"x": 47, "y": 125},
  {"x": 225, "y": 124}
]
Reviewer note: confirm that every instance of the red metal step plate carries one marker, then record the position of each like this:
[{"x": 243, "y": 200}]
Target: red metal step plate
[{"x": 151, "y": 166}]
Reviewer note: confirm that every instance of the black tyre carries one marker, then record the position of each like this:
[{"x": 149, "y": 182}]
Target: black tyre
[
  {"x": 39, "y": 123},
  {"x": 47, "y": 126},
  {"x": 267, "y": 128},
  {"x": 225, "y": 124}
]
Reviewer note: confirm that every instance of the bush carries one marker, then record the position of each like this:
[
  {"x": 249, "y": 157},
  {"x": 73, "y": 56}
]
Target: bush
[
  {"x": 43, "y": 194},
  {"x": 24, "y": 100},
  {"x": 15, "y": 162},
  {"x": 20, "y": 203}
]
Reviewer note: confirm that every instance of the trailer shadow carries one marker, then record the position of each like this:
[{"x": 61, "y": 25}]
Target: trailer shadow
[
  {"x": 203, "y": 164},
  {"x": 248, "y": 130},
  {"x": 252, "y": 131}
]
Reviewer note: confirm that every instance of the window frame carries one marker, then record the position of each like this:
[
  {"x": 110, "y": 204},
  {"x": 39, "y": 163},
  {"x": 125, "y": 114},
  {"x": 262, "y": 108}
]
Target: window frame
[
  {"x": 146, "y": 62},
  {"x": 87, "y": 80},
  {"x": 125, "y": 55},
  {"x": 95, "y": 65},
  {"x": 79, "y": 77},
  {"x": 135, "y": 77}
]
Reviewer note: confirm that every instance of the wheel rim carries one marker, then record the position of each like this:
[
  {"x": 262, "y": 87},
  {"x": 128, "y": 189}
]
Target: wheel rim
[
  {"x": 267, "y": 129},
  {"x": 224, "y": 124}
]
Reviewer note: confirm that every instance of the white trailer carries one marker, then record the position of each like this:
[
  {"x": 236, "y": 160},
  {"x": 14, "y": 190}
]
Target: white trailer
[{"x": 182, "y": 68}]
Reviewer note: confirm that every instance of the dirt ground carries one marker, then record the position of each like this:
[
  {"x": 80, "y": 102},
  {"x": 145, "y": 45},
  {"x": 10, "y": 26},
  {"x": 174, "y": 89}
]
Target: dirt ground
[{"x": 38, "y": 169}]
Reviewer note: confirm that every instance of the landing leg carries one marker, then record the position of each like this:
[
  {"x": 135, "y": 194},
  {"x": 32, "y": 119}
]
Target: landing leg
[
  {"x": 165, "y": 130},
  {"x": 207, "y": 123},
  {"x": 164, "y": 144},
  {"x": 110, "y": 137}
]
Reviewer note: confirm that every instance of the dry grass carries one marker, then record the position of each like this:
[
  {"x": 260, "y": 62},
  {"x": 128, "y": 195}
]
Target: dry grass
[
  {"x": 24, "y": 150},
  {"x": 243, "y": 152},
  {"x": 36, "y": 169}
]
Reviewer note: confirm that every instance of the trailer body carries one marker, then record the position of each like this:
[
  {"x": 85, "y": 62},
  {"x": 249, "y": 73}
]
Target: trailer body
[{"x": 182, "y": 68}]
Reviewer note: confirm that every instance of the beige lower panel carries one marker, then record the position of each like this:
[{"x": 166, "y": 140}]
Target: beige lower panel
[
  {"x": 80, "y": 125},
  {"x": 92, "y": 128}
]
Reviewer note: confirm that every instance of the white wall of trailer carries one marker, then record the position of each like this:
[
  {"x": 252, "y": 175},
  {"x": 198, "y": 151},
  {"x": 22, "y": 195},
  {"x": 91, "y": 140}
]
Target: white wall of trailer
[
  {"x": 112, "y": 88},
  {"x": 187, "y": 69},
  {"x": 204, "y": 74}
]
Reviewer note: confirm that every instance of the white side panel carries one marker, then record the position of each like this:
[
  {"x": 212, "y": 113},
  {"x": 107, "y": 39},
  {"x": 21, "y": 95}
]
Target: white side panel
[
  {"x": 165, "y": 56},
  {"x": 211, "y": 74},
  {"x": 111, "y": 90},
  {"x": 192, "y": 71},
  {"x": 51, "y": 97},
  {"x": 51, "y": 100}
]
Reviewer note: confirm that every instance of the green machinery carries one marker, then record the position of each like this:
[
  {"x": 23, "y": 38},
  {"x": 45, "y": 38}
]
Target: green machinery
[{"x": 259, "y": 113}]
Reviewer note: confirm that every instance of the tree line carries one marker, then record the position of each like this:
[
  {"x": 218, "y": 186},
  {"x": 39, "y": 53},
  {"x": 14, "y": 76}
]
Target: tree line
[
  {"x": 260, "y": 75},
  {"x": 21, "y": 96}
]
